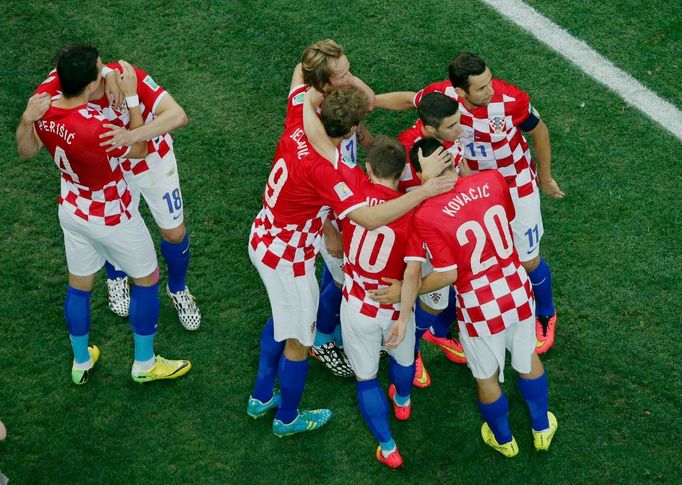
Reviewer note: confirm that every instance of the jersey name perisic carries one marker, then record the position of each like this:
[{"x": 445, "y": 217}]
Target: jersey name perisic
[
  {"x": 150, "y": 95},
  {"x": 370, "y": 256},
  {"x": 92, "y": 183},
  {"x": 301, "y": 187},
  {"x": 468, "y": 229},
  {"x": 410, "y": 180},
  {"x": 491, "y": 137}
]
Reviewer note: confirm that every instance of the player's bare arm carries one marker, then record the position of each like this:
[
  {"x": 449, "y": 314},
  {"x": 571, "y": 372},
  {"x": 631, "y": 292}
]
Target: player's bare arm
[
  {"x": 112, "y": 89},
  {"x": 409, "y": 291},
  {"x": 437, "y": 280},
  {"x": 297, "y": 77},
  {"x": 128, "y": 84},
  {"x": 28, "y": 143},
  {"x": 396, "y": 101},
  {"x": 362, "y": 86},
  {"x": 543, "y": 157},
  {"x": 314, "y": 130},
  {"x": 333, "y": 239},
  {"x": 365, "y": 137}
]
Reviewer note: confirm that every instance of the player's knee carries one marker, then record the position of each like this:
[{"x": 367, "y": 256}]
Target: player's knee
[
  {"x": 295, "y": 350},
  {"x": 175, "y": 235},
  {"x": 149, "y": 280},
  {"x": 536, "y": 368},
  {"x": 531, "y": 264},
  {"x": 83, "y": 283},
  {"x": 488, "y": 389}
]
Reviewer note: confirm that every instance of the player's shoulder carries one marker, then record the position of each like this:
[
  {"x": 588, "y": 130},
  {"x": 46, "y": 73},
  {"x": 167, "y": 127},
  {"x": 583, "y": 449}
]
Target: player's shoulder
[
  {"x": 507, "y": 89},
  {"x": 444, "y": 87}
]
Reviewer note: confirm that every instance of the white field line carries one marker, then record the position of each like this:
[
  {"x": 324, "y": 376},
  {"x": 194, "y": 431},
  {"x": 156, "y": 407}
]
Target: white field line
[{"x": 592, "y": 63}]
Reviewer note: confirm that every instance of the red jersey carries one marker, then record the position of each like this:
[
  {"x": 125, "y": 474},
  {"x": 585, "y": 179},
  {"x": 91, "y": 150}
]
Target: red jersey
[
  {"x": 286, "y": 233},
  {"x": 490, "y": 135},
  {"x": 369, "y": 256},
  {"x": 92, "y": 183},
  {"x": 408, "y": 138},
  {"x": 150, "y": 95},
  {"x": 468, "y": 229}
]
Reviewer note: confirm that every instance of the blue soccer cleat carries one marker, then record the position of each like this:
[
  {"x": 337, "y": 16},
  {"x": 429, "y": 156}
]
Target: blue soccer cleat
[
  {"x": 257, "y": 409},
  {"x": 305, "y": 421}
]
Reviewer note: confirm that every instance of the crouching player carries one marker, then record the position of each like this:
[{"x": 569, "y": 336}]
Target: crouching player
[{"x": 468, "y": 234}]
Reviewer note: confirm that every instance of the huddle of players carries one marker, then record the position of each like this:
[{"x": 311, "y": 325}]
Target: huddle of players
[
  {"x": 479, "y": 233},
  {"x": 111, "y": 143}
]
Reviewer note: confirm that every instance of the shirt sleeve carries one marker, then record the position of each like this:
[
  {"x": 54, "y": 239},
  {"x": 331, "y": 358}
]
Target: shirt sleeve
[
  {"x": 442, "y": 256},
  {"x": 520, "y": 108},
  {"x": 334, "y": 190},
  {"x": 295, "y": 106},
  {"x": 415, "y": 250},
  {"x": 50, "y": 85},
  {"x": 438, "y": 87}
]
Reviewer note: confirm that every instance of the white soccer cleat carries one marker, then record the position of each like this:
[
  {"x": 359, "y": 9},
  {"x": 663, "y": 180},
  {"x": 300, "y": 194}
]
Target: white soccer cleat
[
  {"x": 186, "y": 306},
  {"x": 119, "y": 296}
]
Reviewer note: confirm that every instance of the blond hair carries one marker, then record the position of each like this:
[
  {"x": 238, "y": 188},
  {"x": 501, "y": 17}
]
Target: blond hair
[{"x": 316, "y": 63}]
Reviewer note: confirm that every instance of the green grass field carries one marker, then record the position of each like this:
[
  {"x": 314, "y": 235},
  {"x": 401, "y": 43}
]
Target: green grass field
[{"x": 613, "y": 244}]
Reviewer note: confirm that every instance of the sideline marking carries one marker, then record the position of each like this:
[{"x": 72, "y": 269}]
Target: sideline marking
[{"x": 592, "y": 63}]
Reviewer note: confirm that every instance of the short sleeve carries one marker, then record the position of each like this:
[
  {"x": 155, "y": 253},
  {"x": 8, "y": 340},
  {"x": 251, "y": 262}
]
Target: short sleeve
[
  {"x": 334, "y": 190},
  {"x": 442, "y": 256},
  {"x": 444, "y": 87},
  {"x": 415, "y": 250},
  {"x": 519, "y": 106}
]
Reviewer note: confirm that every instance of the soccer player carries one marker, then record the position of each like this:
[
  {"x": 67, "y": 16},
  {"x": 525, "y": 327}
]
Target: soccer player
[
  {"x": 284, "y": 242},
  {"x": 369, "y": 257},
  {"x": 155, "y": 177},
  {"x": 468, "y": 234},
  {"x": 495, "y": 115},
  {"x": 96, "y": 213}
]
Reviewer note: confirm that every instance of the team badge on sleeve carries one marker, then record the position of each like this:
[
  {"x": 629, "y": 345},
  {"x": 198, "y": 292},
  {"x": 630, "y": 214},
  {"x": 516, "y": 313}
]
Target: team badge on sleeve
[
  {"x": 498, "y": 124},
  {"x": 298, "y": 99},
  {"x": 150, "y": 82},
  {"x": 342, "y": 191}
]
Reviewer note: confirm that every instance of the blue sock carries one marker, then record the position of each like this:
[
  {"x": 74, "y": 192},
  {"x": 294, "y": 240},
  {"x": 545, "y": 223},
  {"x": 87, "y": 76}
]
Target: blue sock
[
  {"x": 374, "y": 408},
  {"x": 338, "y": 335},
  {"x": 536, "y": 394},
  {"x": 327, "y": 277},
  {"x": 424, "y": 320},
  {"x": 328, "y": 310},
  {"x": 402, "y": 376},
  {"x": 177, "y": 259},
  {"x": 292, "y": 376},
  {"x": 144, "y": 317},
  {"x": 441, "y": 324},
  {"x": 495, "y": 414},
  {"x": 113, "y": 273},
  {"x": 268, "y": 360},
  {"x": 541, "y": 277},
  {"x": 77, "y": 315}
]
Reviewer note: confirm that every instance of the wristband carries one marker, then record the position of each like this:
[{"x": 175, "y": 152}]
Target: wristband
[
  {"x": 106, "y": 70},
  {"x": 132, "y": 101}
]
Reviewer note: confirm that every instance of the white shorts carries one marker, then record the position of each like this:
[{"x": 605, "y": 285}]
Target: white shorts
[
  {"x": 293, "y": 301},
  {"x": 128, "y": 246},
  {"x": 363, "y": 339},
  {"x": 335, "y": 265},
  {"x": 160, "y": 187},
  {"x": 485, "y": 355},
  {"x": 527, "y": 225},
  {"x": 436, "y": 300}
]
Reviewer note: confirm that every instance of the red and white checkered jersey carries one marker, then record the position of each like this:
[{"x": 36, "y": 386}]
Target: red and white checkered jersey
[
  {"x": 287, "y": 231},
  {"x": 92, "y": 183},
  {"x": 408, "y": 138},
  {"x": 490, "y": 134},
  {"x": 150, "y": 95},
  {"x": 468, "y": 229},
  {"x": 369, "y": 256}
]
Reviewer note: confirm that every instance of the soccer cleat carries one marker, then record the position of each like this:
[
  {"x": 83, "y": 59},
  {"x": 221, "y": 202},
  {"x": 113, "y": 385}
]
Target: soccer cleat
[
  {"x": 543, "y": 439},
  {"x": 544, "y": 333},
  {"x": 162, "y": 369},
  {"x": 119, "y": 296},
  {"x": 421, "y": 376},
  {"x": 401, "y": 412},
  {"x": 394, "y": 460},
  {"x": 257, "y": 409},
  {"x": 308, "y": 420},
  {"x": 81, "y": 376},
  {"x": 451, "y": 347},
  {"x": 333, "y": 358},
  {"x": 186, "y": 306},
  {"x": 509, "y": 450}
]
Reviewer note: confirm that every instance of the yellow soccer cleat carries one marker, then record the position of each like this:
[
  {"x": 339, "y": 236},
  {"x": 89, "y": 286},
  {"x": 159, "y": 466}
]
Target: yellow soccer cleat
[
  {"x": 162, "y": 369},
  {"x": 509, "y": 450},
  {"x": 81, "y": 376},
  {"x": 543, "y": 439}
]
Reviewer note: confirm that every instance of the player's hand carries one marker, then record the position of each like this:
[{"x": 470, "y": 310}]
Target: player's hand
[
  {"x": 438, "y": 185},
  {"x": 37, "y": 106},
  {"x": 334, "y": 242},
  {"x": 395, "y": 335},
  {"x": 116, "y": 137},
  {"x": 434, "y": 164},
  {"x": 113, "y": 90},
  {"x": 314, "y": 97},
  {"x": 387, "y": 295},
  {"x": 464, "y": 169},
  {"x": 128, "y": 80},
  {"x": 551, "y": 188}
]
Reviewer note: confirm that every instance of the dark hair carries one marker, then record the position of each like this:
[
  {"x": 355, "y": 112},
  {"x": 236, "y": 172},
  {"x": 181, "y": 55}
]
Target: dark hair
[
  {"x": 428, "y": 146},
  {"x": 386, "y": 156},
  {"x": 464, "y": 65},
  {"x": 76, "y": 68},
  {"x": 342, "y": 109},
  {"x": 435, "y": 107}
]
